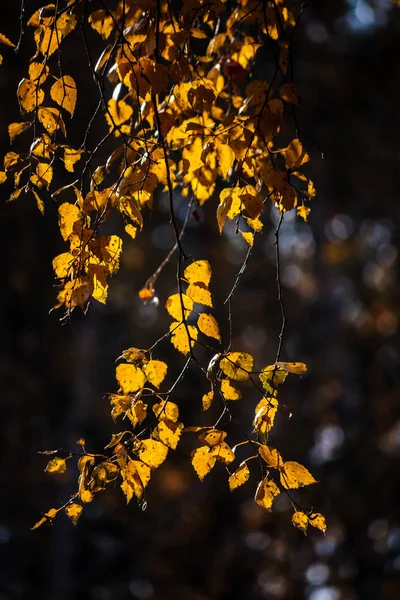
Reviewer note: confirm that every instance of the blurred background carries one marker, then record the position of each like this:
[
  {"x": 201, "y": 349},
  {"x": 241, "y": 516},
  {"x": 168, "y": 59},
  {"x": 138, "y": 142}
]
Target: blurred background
[{"x": 340, "y": 275}]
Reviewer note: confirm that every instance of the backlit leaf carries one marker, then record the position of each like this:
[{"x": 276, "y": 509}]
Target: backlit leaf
[
  {"x": 4, "y": 40},
  {"x": 223, "y": 453},
  {"x": 203, "y": 461},
  {"x": 198, "y": 272},
  {"x": 271, "y": 457},
  {"x": 265, "y": 413},
  {"x": 64, "y": 93},
  {"x": 297, "y": 368},
  {"x": 209, "y": 326},
  {"x": 229, "y": 391},
  {"x": 130, "y": 378},
  {"x": 155, "y": 371},
  {"x": 294, "y": 475},
  {"x": 68, "y": 216},
  {"x": 174, "y": 306},
  {"x": 47, "y": 518},
  {"x": 226, "y": 158},
  {"x": 212, "y": 437},
  {"x": 295, "y": 155},
  {"x": 135, "y": 478},
  {"x": 152, "y": 453},
  {"x": 180, "y": 338},
  {"x": 239, "y": 477},
  {"x": 15, "y": 129},
  {"x": 74, "y": 511},
  {"x": 237, "y": 365},
  {"x": 207, "y": 400},
  {"x": 56, "y": 465},
  {"x": 169, "y": 433},
  {"x": 300, "y": 520},
  {"x": 29, "y": 95},
  {"x": 199, "y": 293},
  {"x": 266, "y": 493},
  {"x": 318, "y": 521},
  {"x": 166, "y": 410}
]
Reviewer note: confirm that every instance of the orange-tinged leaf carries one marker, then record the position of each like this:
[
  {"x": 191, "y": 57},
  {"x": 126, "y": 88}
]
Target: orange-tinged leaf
[
  {"x": 295, "y": 155},
  {"x": 74, "y": 511},
  {"x": 102, "y": 21},
  {"x": 209, "y": 326},
  {"x": 132, "y": 231},
  {"x": 68, "y": 216},
  {"x": 63, "y": 264},
  {"x": 288, "y": 93},
  {"x": 169, "y": 433},
  {"x": 155, "y": 371},
  {"x": 271, "y": 457},
  {"x": 297, "y": 368},
  {"x": 39, "y": 201},
  {"x": 71, "y": 157},
  {"x": 251, "y": 201},
  {"x": 303, "y": 212},
  {"x": 271, "y": 377},
  {"x": 29, "y": 95},
  {"x": 266, "y": 493},
  {"x": 203, "y": 461},
  {"x": 4, "y": 40},
  {"x": 38, "y": 72},
  {"x": 134, "y": 356},
  {"x": 199, "y": 293},
  {"x": 294, "y": 475},
  {"x": 47, "y": 518},
  {"x": 64, "y": 93},
  {"x": 43, "y": 176},
  {"x": 248, "y": 237},
  {"x": 237, "y": 365},
  {"x": 300, "y": 520},
  {"x": 56, "y": 465},
  {"x": 239, "y": 477},
  {"x": 130, "y": 378},
  {"x": 198, "y": 272},
  {"x": 207, "y": 400},
  {"x": 75, "y": 293},
  {"x": 229, "y": 206},
  {"x": 179, "y": 336},
  {"x": 51, "y": 119},
  {"x": 174, "y": 306},
  {"x": 119, "y": 112},
  {"x": 15, "y": 129},
  {"x": 229, "y": 391},
  {"x": 137, "y": 412},
  {"x": 318, "y": 521},
  {"x": 152, "y": 453},
  {"x": 3, "y": 177},
  {"x": 212, "y": 437}
]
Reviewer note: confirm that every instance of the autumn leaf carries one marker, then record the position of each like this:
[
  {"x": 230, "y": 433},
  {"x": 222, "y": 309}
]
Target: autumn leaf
[
  {"x": 199, "y": 293},
  {"x": 208, "y": 325},
  {"x": 130, "y": 378},
  {"x": 152, "y": 453},
  {"x": 179, "y": 306},
  {"x": 271, "y": 457},
  {"x": 47, "y": 518},
  {"x": 198, "y": 272},
  {"x": 318, "y": 521},
  {"x": 56, "y": 465},
  {"x": 155, "y": 371},
  {"x": 237, "y": 365},
  {"x": 203, "y": 461},
  {"x": 266, "y": 493},
  {"x": 180, "y": 336},
  {"x": 74, "y": 511},
  {"x": 239, "y": 477},
  {"x": 64, "y": 93},
  {"x": 293, "y": 475},
  {"x": 229, "y": 391},
  {"x": 300, "y": 520}
]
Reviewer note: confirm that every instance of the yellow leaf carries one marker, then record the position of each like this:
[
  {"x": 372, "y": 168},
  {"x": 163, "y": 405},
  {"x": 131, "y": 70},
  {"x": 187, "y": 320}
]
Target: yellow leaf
[
  {"x": 229, "y": 206},
  {"x": 199, "y": 293},
  {"x": 209, "y": 326},
  {"x": 152, "y": 453},
  {"x": 130, "y": 378},
  {"x": 198, "y": 272},
  {"x": 248, "y": 237},
  {"x": 137, "y": 412},
  {"x": 317, "y": 520},
  {"x": 47, "y": 518},
  {"x": 271, "y": 377},
  {"x": 169, "y": 433},
  {"x": 75, "y": 293},
  {"x": 288, "y": 93},
  {"x": 212, "y": 437},
  {"x": 297, "y": 368},
  {"x": 118, "y": 112},
  {"x": 29, "y": 95},
  {"x": 265, "y": 415},
  {"x": 300, "y": 520},
  {"x": 255, "y": 224},
  {"x": 226, "y": 158},
  {"x": 266, "y": 493},
  {"x": 102, "y": 22},
  {"x": 207, "y": 400},
  {"x": 303, "y": 212},
  {"x": 74, "y": 511},
  {"x": 295, "y": 155},
  {"x": 155, "y": 371},
  {"x": 3, "y": 177},
  {"x": 179, "y": 336},
  {"x": 15, "y": 129},
  {"x": 174, "y": 306},
  {"x": 294, "y": 475},
  {"x": 131, "y": 230},
  {"x": 229, "y": 391},
  {"x": 166, "y": 410},
  {"x": 4, "y": 40},
  {"x": 239, "y": 477},
  {"x": 223, "y": 453},
  {"x": 251, "y": 201},
  {"x": 39, "y": 201},
  {"x": 97, "y": 275},
  {"x": 271, "y": 457},
  {"x": 51, "y": 119},
  {"x": 38, "y": 72},
  {"x": 69, "y": 215},
  {"x": 237, "y": 365},
  {"x": 202, "y": 461},
  {"x": 43, "y": 176},
  {"x": 134, "y": 356},
  {"x": 71, "y": 157},
  {"x": 135, "y": 477},
  {"x": 63, "y": 92},
  {"x": 56, "y": 465}
]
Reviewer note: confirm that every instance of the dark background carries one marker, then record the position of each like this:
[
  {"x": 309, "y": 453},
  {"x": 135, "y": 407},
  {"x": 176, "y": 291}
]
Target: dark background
[{"x": 340, "y": 273}]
